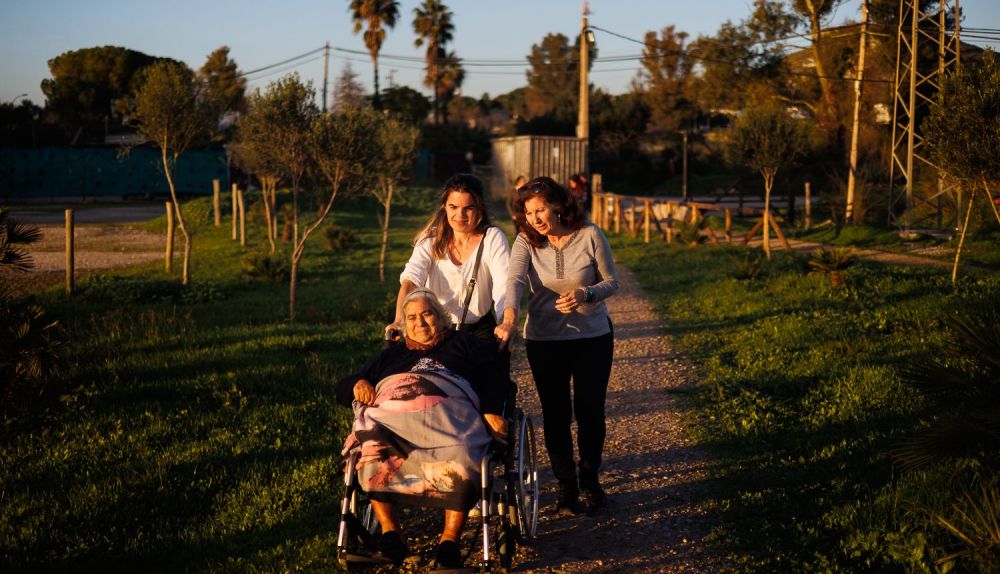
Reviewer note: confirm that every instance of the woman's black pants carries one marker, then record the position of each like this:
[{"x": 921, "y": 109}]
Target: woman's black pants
[{"x": 588, "y": 363}]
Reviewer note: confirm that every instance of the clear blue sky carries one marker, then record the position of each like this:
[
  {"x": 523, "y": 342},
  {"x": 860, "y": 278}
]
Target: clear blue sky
[{"x": 263, "y": 32}]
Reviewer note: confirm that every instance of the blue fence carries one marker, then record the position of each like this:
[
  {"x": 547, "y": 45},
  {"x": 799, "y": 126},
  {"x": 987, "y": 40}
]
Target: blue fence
[{"x": 102, "y": 172}]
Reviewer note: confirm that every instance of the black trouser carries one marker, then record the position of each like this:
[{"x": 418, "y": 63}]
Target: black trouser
[
  {"x": 483, "y": 328},
  {"x": 588, "y": 363}
]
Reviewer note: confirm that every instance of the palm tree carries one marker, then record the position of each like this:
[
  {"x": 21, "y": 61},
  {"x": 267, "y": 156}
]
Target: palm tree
[
  {"x": 432, "y": 24},
  {"x": 376, "y": 14},
  {"x": 452, "y": 75}
]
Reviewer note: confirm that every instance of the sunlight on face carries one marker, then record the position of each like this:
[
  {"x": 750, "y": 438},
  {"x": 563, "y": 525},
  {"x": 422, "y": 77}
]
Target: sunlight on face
[
  {"x": 461, "y": 211},
  {"x": 540, "y": 215},
  {"x": 422, "y": 323}
]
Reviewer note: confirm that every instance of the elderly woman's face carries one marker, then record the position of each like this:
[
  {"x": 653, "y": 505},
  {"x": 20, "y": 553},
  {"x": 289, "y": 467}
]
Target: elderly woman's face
[{"x": 422, "y": 323}]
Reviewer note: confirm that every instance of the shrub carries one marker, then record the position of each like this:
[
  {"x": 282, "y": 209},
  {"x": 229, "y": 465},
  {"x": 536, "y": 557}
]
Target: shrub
[
  {"x": 267, "y": 266},
  {"x": 750, "y": 267},
  {"x": 832, "y": 263},
  {"x": 29, "y": 349},
  {"x": 129, "y": 290},
  {"x": 340, "y": 239}
]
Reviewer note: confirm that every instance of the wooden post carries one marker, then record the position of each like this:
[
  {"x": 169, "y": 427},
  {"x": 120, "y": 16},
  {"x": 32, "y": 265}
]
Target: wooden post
[
  {"x": 70, "y": 262},
  {"x": 235, "y": 209},
  {"x": 618, "y": 215},
  {"x": 215, "y": 202},
  {"x": 808, "y": 221},
  {"x": 632, "y": 223},
  {"x": 645, "y": 220},
  {"x": 170, "y": 237},
  {"x": 594, "y": 202},
  {"x": 243, "y": 218},
  {"x": 777, "y": 231},
  {"x": 729, "y": 225}
]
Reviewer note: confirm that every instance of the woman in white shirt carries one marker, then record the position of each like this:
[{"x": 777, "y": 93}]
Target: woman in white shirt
[{"x": 444, "y": 258}]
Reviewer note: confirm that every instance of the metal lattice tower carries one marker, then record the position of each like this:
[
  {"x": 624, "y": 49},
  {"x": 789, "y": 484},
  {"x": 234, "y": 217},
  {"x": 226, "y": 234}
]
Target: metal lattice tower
[{"x": 917, "y": 82}]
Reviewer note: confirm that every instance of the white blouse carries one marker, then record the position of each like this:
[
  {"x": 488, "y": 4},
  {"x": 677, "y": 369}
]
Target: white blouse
[{"x": 450, "y": 282}]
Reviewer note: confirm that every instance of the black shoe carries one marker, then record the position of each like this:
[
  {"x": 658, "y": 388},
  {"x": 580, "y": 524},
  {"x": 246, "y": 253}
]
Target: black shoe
[
  {"x": 568, "y": 501},
  {"x": 594, "y": 498},
  {"x": 448, "y": 555},
  {"x": 392, "y": 548}
]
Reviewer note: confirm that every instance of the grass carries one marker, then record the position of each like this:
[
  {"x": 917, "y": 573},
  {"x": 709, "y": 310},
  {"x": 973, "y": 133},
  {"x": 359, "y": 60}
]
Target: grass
[
  {"x": 195, "y": 429},
  {"x": 800, "y": 400}
]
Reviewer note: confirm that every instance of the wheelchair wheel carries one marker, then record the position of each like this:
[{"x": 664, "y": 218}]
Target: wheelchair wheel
[
  {"x": 525, "y": 483},
  {"x": 359, "y": 528}
]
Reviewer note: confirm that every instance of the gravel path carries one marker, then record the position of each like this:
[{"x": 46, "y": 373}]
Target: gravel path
[{"x": 652, "y": 472}]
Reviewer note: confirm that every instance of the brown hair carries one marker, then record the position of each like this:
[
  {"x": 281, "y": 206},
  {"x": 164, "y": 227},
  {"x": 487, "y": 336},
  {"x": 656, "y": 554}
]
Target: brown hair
[
  {"x": 437, "y": 228},
  {"x": 562, "y": 202}
]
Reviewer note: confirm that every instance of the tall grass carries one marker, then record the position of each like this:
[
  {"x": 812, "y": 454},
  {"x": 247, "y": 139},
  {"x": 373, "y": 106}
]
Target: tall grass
[{"x": 801, "y": 400}]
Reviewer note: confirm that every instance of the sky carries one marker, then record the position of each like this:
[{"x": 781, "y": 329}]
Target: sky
[{"x": 260, "y": 33}]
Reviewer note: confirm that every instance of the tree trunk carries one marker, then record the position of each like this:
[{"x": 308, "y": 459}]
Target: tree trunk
[
  {"x": 376, "y": 101},
  {"x": 828, "y": 113},
  {"x": 961, "y": 240},
  {"x": 385, "y": 236},
  {"x": 267, "y": 189},
  {"x": 291, "y": 288},
  {"x": 186, "y": 273}
]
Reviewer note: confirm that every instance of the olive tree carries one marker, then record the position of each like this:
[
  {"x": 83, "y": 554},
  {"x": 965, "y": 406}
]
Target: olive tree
[
  {"x": 963, "y": 133},
  {"x": 171, "y": 111},
  {"x": 397, "y": 142},
  {"x": 341, "y": 146},
  {"x": 766, "y": 139}
]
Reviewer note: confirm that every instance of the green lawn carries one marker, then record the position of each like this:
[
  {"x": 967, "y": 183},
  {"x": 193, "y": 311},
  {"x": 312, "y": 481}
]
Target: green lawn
[
  {"x": 195, "y": 429},
  {"x": 800, "y": 399}
]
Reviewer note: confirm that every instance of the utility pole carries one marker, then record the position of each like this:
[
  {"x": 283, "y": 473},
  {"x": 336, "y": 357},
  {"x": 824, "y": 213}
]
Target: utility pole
[
  {"x": 326, "y": 71},
  {"x": 583, "y": 123},
  {"x": 915, "y": 27},
  {"x": 855, "y": 127}
]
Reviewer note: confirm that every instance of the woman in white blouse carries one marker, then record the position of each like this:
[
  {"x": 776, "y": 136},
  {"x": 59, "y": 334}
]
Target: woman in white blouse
[{"x": 444, "y": 259}]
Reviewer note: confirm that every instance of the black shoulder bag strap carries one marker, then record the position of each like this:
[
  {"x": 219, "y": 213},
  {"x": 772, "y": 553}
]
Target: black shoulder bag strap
[{"x": 472, "y": 282}]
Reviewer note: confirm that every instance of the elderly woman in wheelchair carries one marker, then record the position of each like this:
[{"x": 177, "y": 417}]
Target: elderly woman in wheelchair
[{"x": 418, "y": 434}]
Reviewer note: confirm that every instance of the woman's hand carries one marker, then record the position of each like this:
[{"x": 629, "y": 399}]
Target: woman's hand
[
  {"x": 497, "y": 425},
  {"x": 504, "y": 333},
  {"x": 571, "y": 300},
  {"x": 393, "y": 331},
  {"x": 364, "y": 392}
]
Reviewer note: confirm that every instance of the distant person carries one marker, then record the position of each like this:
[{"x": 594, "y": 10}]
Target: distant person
[
  {"x": 565, "y": 264},
  {"x": 580, "y": 190},
  {"x": 512, "y": 195}
]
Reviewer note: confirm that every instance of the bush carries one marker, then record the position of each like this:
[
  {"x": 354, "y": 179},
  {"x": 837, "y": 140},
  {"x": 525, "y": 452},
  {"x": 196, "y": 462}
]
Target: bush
[
  {"x": 29, "y": 349},
  {"x": 129, "y": 290},
  {"x": 340, "y": 239},
  {"x": 267, "y": 266}
]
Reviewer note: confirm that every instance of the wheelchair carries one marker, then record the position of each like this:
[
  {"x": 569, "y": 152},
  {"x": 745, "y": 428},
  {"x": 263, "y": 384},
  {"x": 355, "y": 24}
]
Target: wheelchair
[{"x": 508, "y": 506}]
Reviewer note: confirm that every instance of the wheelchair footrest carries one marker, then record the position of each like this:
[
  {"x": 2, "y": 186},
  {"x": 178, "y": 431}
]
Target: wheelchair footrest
[{"x": 364, "y": 558}]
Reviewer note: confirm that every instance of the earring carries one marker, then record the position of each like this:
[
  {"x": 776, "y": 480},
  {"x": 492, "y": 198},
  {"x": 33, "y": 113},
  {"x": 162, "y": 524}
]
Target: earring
[{"x": 559, "y": 217}]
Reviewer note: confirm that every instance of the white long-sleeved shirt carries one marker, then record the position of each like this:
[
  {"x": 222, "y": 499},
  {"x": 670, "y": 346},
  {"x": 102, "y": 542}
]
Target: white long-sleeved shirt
[{"x": 450, "y": 282}]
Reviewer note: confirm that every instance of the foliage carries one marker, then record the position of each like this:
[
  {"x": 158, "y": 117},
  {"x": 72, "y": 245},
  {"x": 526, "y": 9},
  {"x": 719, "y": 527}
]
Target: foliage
[
  {"x": 750, "y": 267},
  {"x": 30, "y": 350},
  {"x": 830, "y": 260},
  {"x": 123, "y": 291},
  {"x": 14, "y": 235},
  {"x": 554, "y": 78},
  {"x": 432, "y": 23},
  {"x": 406, "y": 104},
  {"x": 664, "y": 78},
  {"x": 266, "y": 266},
  {"x": 347, "y": 91},
  {"x": 976, "y": 526},
  {"x": 963, "y": 130},
  {"x": 340, "y": 238},
  {"x": 225, "y": 87},
  {"x": 963, "y": 382},
  {"x": 374, "y": 16},
  {"x": 86, "y": 83},
  {"x": 765, "y": 139}
]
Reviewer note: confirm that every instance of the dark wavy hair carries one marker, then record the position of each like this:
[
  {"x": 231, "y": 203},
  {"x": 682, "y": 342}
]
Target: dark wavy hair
[
  {"x": 437, "y": 227},
  {"x": 562, "y": 202}
]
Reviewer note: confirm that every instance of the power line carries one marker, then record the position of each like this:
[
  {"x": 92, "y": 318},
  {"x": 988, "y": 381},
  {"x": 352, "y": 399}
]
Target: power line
[{"x": 283, "y": 62}]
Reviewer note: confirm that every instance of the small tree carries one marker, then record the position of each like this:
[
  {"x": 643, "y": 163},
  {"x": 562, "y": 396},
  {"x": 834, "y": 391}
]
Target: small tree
[
  {"x": 397, "y": 143},
  {"x": 963, "y": 133},
  {"x": 766, "y": 139},
  {"x": 171, "y": 112},
  {"x": 341, "y": 146}
]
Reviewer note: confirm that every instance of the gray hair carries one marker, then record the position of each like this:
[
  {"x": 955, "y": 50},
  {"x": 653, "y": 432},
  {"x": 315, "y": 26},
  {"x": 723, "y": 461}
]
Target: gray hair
[{"x": 430, "y": 297}]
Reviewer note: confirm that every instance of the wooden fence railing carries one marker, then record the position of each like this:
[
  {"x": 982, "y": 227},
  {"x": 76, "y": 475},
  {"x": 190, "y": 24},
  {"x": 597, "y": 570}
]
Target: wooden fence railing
[{"x": 612, "y": 212}]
